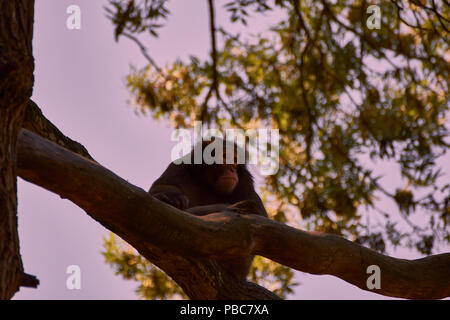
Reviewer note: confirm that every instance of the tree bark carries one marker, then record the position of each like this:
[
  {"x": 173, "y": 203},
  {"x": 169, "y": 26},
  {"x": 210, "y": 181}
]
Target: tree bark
[
  {"x": 16, "y": 83},
  {"x": 184, "y": 245},
  {"x": 35, "y": 121}
]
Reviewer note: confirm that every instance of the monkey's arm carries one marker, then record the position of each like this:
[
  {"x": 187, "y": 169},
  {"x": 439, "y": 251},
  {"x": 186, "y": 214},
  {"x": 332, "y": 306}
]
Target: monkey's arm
[
  {"x": 170, "y": 194},
  {"x": 204, "y": 210},
  {"x": 249, "y": 207},
  {"x": 241, "y": 207}
]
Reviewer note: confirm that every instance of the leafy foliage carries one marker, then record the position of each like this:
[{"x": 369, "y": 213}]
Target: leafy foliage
[
  {"x": 129, "y": 17},
  {"x": 345, "y": 99},
  {"x": 155, "y": 284}
]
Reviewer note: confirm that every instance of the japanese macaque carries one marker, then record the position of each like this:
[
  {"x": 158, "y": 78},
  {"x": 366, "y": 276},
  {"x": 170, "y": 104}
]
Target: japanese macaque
[{"x": 203, "y": 188}]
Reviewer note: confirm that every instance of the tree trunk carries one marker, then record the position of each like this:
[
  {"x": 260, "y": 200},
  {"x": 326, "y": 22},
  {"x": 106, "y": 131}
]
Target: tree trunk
[{"x": 16, "y": 83}]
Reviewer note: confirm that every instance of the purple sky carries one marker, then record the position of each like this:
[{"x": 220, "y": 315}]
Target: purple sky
[{"x": 80, "y": 88}]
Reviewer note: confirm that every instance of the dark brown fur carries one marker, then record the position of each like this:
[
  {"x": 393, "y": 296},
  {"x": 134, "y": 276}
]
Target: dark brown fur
[{"x": 191, "y": 187}]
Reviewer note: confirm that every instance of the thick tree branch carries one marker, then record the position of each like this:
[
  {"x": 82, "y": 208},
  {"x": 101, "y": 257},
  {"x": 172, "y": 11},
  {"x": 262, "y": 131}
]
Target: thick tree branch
[
  {"x": 173, "y": 239},
  {"x": 135, "y": 216}
]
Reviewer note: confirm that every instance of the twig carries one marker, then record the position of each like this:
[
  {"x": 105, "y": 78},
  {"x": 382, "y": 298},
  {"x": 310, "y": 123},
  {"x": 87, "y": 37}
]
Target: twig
[{"x": 143, "y": 50}]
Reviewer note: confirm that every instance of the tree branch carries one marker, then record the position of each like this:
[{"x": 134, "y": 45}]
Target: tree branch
[
  {"x": 135, "y": 216},
  {"x": 29, "y": 281},
  {"x": 143, "y": 51},
  {"x": 215, "y": 84},
  {"x": 183, "y": 245},
  {"x": 36, "y": 122}
]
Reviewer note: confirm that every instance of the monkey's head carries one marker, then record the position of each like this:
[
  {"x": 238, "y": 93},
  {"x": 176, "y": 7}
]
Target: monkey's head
[{"x": 223, "y": 178}]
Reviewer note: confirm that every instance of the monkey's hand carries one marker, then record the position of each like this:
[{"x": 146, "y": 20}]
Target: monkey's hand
[
  {"x": 204, "y": 210},
  {"x": 176, "y": 199},
  {"x": 244, "y": 207}
]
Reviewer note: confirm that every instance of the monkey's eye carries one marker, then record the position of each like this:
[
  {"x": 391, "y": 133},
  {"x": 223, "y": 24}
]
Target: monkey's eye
[{"x": 235, "y": 159}]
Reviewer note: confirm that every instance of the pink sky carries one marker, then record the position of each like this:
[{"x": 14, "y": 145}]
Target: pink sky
[{"x": 80, "y": 88}]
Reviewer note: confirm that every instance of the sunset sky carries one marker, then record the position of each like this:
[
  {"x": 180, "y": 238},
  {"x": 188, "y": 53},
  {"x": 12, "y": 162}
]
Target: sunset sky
[{"x": 80, "y": 87}]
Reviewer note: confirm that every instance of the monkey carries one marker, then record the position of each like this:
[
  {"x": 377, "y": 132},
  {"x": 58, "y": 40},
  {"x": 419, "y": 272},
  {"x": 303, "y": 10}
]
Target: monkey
[{"x": 203, "y": 188}]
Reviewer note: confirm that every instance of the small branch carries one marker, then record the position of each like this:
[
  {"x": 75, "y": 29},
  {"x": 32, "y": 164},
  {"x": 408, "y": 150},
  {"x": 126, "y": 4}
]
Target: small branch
[
  {"x": 212, "y": 26},
  {"x": 309, "y": 136},
  {"x": 399, "y": 16},
  {"x": 440, "y": 18},
  {"x": 143, "y": 50},
  {"x": 215, "y": 84},
  {"x": 29, "y": 281}
]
